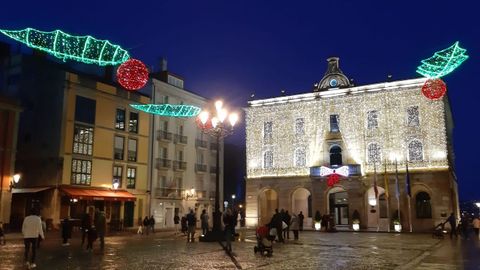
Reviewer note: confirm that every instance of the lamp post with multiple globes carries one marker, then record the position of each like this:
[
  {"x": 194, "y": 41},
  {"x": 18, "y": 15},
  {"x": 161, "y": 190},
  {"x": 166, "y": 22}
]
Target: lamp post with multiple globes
[{"x": 216, "y": 125}]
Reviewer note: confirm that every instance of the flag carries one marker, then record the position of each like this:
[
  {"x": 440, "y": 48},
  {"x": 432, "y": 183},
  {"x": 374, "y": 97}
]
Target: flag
[
  {"x": 397, "y": 188},
  {"x": 385, "y": 179},
  {"x": 375, "y": 180},
  {"x": 407, "y": 183}
]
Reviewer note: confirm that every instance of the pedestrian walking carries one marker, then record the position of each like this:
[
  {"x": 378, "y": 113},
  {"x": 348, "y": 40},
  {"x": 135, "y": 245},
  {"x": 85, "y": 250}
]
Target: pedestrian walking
[
  {"x": 31, "y": 229},
  {"x": 287, "y": 219},
  {"x": 276, "y": 222},
  {"x": 176, "y": 222},
  {"x": 101, "y": 227},
  {"x": 146, "y": 224},
  {"x": 300, "y": 220},
  {"x": 2, "y": 234},
  {"x": 152, "y": 224},
  {"x": 476, "y": 226},
  {"x": 91, "y": 237},
  {"x": 184, "y": 225},
  {"x": 294, "y": 226},
  {"x": 204, "y": 219},
  {"x": 191, "y": 223},
  {"x": 86, "y": 224},
  {"x": 453, "y": 225},
  {"x": 44, "y": 229},
  {"x": 229, "y": 223},
  {"x": 66, "y": 231}
]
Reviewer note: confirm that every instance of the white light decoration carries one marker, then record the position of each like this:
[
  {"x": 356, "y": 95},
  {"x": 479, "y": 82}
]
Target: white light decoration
[
  {"x": 374, "y": 153},
  {"x": 299, "y": 126},
  {"x": 300, "y": 157},
  {"x": 397, "y": 227},
  {"x": 372, "y": 201},
  {"x": 356, "y": 227},
  {"x": 318, "y": 226},
  {"x": 269, "y": 125},
  {"x": 325, "y": 171}
]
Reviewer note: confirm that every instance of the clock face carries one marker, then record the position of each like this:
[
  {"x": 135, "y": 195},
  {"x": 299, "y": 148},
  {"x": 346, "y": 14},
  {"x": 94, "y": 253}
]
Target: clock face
[{"x": 333, "y": 83}]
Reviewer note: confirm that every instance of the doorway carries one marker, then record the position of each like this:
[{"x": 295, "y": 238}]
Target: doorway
[
  {"x": 338, "y": 204},
  {"x": 128, "y": 214}
]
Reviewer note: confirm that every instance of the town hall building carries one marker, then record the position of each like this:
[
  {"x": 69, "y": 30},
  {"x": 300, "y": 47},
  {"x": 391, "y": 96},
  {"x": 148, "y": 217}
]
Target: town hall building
[{"x": 369, "y": 135}]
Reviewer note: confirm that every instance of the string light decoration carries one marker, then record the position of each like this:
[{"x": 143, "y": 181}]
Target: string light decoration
[
  {"x": 391, "y": 100},
  {"x": 132, "y": 75},
  {"x": 86, "y": 49},
  {"x": 443, "y": 62},
  {"x": 434, "y": 89},
  {"x": 168, "y": 110}
]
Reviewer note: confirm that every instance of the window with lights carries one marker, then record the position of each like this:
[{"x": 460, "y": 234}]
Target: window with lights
[
  {"x": 372, "y": 119},
  {"x": 415, "y": 150},
  {"x": 413, "y": 116},
  {"x": 300, "y": 157},
  {"x": 268, "y": 160},
  {"x": 374, "y": 153}
]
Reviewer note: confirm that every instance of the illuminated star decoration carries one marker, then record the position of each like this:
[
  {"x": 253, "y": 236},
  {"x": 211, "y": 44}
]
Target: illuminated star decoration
[
  {"x": 440, "y": 64},
  {"x": 168, "y": 110},
  {"x": 86, "y": 49},
  {"x": 334, "y": 174},
  {"x": 132, "y": 75},
  {"x": 443, "y": 62}
]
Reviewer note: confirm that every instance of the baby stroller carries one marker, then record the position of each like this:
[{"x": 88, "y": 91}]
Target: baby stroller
[
  {"x": 264, "y": 241},
  {"x": 438, "y": 231}
]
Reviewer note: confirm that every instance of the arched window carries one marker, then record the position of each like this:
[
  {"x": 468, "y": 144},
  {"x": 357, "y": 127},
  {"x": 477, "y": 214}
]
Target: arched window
[
  {"x": 374, "y": 153},
  {"x": 372, "y": 119},
  {"x": 268, "y": 159},
  {"x": 423, "y": 205},
  {"x": 415, "y": 151},
  {"x": 335, "y": 155},
  {"x": 300, "y": 157}
]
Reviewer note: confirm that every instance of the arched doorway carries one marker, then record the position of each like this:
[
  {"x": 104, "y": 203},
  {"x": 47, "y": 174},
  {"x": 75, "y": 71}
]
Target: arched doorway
[
  {"x": 302, "y": 201},
  {"x": 338, "y": 205},
  {"x": 267, "y": 203},
  {"x": 377, "y": 213}
]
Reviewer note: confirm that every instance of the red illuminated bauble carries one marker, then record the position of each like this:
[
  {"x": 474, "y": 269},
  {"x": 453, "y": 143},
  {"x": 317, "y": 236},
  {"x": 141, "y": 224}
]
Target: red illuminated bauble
[
  {"x": 434, "y": 89},
  {"x": 132, "y": 74},
  {"x": 332, "y": 179}
]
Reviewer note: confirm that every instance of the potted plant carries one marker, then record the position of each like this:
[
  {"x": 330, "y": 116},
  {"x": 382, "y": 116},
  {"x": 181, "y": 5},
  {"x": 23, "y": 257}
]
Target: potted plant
[{"x": 397, "y": 226}]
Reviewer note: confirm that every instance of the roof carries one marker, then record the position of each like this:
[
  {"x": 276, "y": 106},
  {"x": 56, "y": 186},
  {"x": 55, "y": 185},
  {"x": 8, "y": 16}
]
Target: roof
[{"x": 98, "y": 194}]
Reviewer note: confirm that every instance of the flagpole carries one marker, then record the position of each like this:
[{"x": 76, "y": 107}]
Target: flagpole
[
  {"x": 375, "y": 189},
  {"x": 408, "y": 191},
  {"x": 397, "y": 192},
  {"x": 387, "y": 195}
]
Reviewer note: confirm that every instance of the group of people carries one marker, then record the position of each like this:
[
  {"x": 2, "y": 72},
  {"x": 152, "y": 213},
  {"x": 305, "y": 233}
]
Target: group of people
[
  {"x": 282, "y": 222},
  {"x": 147, "y": 225},
  {"x": 463, "y": 227},
  {"x": 89, "y": 231}
]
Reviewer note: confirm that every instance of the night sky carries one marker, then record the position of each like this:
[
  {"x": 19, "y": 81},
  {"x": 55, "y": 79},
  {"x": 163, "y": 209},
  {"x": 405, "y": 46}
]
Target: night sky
[{"x": 230, "y": 49}]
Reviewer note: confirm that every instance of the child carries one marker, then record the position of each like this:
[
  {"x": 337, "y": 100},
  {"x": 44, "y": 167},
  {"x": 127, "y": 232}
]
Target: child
[{"x": 92, "y": 236}]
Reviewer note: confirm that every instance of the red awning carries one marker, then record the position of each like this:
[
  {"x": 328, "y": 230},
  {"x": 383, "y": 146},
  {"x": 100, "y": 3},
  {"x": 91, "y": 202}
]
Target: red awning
[{"x": 98, "y": 194}]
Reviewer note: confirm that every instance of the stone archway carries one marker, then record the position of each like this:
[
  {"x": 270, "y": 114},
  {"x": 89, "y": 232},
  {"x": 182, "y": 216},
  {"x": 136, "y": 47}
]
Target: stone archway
[
  {"x": 267, "y": 203},
  {"x": 302, "y": 201}
]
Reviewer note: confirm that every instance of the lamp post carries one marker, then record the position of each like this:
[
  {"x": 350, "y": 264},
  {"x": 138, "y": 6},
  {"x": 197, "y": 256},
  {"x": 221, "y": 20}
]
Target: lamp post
[
  {"x": 215, "y": 125},
  {"x": 115, "y": 184},
  {"x": 233, "y": 200},
  {"x": 14, "y": 181}
]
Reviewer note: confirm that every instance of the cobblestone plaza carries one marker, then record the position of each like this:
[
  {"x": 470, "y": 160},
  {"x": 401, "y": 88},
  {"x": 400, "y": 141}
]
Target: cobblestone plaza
[{"x": 313, "y": 251}]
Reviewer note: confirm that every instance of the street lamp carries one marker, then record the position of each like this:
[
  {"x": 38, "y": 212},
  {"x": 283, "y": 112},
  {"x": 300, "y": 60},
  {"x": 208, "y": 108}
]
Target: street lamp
[
  {"x": 215, "y": 124},
  {"x": 15, "y": 179},
  {"x": 190, "y": 194},
  {"x": 115, "y": 184}
]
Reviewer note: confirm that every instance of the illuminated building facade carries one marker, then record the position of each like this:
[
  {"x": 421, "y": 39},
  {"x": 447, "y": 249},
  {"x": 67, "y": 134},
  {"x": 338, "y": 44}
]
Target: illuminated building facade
[{"x": 372, "y": 129}]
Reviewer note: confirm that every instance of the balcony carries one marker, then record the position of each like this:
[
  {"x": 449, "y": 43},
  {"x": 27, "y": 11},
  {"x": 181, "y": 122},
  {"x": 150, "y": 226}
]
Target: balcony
[
  {"x": 173, "y": 193},
  {"x": 353, "y": 170},
  {"x": 201, "y": 168},
  {"x": 213, "y": 169},
  {"x": 201, "y": 144},
  {"x": 179, "y": 165},
  {"x": 163, "y": 164},
  {"x": 164, "y": 136},
  {"x": 214, "y": 146},
  {"x": 180, "y": 139}
]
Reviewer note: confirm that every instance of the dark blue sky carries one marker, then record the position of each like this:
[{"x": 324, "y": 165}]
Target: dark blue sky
[{"x": 230, "y": 49}]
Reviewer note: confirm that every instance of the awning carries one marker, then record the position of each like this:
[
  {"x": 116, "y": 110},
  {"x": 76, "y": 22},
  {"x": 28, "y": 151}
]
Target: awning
[
  {"x": 98, "y": 194},
  {"x": 29, "y": 190}
]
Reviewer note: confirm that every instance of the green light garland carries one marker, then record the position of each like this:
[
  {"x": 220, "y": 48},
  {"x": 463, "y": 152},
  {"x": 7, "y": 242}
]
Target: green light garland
[
  {"x": 86, "y": 49},
  {"x": 169, "y": 110},
  {"x": 443, "y": 62}
]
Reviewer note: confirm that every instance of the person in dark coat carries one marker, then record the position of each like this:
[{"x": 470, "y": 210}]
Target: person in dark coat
[
  {"x": 287, "y": 219},
  {"x": 229, "y": 220},
  {"x": 184, "y": 225},
  {"x": 276, "y": 222},
  {"x": 86, "y": 224},
  {"x": 101, "y": 227},
  {"x": 176, "y": 221},
  {"x": 146, "y": 224},
  {"x": 204, "y": 219},
  {"x": 152, "y": 223},
  {"x": 300, "y": 221},
  {"x": 191, "y": 223},
  {"x": 453, "y": 225},
  {"x": 66, "y": 231},
  {"x": 91, "y": 237}
]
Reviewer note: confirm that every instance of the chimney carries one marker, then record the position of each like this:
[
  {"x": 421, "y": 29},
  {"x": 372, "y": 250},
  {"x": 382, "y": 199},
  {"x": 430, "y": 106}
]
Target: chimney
[{"x": 163, "y": 64}]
